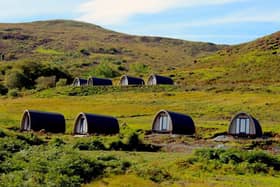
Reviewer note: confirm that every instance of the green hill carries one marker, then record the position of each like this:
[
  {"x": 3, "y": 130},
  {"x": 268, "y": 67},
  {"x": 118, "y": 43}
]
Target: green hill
[
  {"x": 82, "y": 46},
  {"x": 254, "y": 63},
  {"x": 83, "y": 49}
]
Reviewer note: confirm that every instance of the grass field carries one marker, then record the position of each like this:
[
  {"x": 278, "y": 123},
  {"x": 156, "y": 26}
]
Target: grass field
[
  {"x": 137, "y": 108},
  {"x": 181, "y": 176}
]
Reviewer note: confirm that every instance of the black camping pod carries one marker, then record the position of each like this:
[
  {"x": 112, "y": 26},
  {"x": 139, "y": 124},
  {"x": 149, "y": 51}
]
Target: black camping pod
[
  {"x": 95, "y": 124},
  {"x": 94, "y": 81},
  {"x": 173, "y": 123},
  {"x": 244, "y": 125},
  {"x": 157, "y": 80},
  {"x": 128, "y": 80},
  {"x": 37, "y": 120},
  {"x": 79, "y": 82}
]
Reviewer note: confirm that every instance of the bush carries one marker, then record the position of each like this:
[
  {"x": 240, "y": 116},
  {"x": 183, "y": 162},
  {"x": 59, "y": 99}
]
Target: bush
[
  {"x": 61, "y": 82},
  {"x": 85, "y": 52},
  {"x": 25, "y": 74},
  {"x": 155, "y": 174},
  {"x": 262, "y": 157},
  {"x": 57, "y": 142},
  {"x": 45, "y": 82},
  {"x": 104, "y": 70},
  {"x": 118, "y": 146},
  {"x": 16, "y": 79},
  {"x": 13, "y": 93},
  {"x": 2, "y": 134},
  {"x": 90, "y": 145},
  {"x": 56, "y": 166},
  {"x": 134, "y": 140},
  {"x": 239, "y": 161},
  {"x": 30, "y": 139},
  {"x": 12, "y": 145},
  {"x": 3, "y": 90},
  {"x": 140, "y": 68}
]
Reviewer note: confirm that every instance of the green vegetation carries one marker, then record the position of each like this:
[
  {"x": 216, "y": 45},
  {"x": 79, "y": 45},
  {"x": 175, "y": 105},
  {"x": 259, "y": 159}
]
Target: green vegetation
[
  {"x": 16, "y": 79},
  {"x": 212, "y": 84},
  {"x": 3, "y": 89},
  {"x": 51, "y": 165},
  {"x": 48, "y": 51},
  {"x": 139, "y": 68},
  {"x": 46, "y": 82},
  {"x": 233, "y": 161},
  {"x": 29, "y": 160},
  {"x": 104, "y": 70}
]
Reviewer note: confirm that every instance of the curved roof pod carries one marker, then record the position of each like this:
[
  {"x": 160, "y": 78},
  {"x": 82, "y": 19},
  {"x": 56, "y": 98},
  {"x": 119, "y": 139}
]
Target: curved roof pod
[
  {"x": 79, "y": 82},
  {"x": 157, "y": 79},
  {"x": 244, "y": 125},
  {"x": 36, "y": 121},
  {"x": 173, "y": 123},
  {"x": 128, "y": 80},
  {"x": 94, "y": 81},
  {"x": 95, "y": 124}
]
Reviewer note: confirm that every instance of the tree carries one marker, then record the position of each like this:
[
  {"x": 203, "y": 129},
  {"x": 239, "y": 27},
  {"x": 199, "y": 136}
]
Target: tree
[
  {"x": 104, "y": 70},
  {"x": 45, "y": 82},
  {"x": 61, "y": 82},
  {"x": 3, "y": 90},
  {"x": 16, "y": 79}
]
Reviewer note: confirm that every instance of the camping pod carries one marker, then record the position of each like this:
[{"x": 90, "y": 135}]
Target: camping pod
[
  {"x": 95, "y": 124},
  {"x": 93, "y": 81},
  {"x": 79, "y": 82},
  {"x": 173, "y": 123},
  {"x": 128, "y": 80},
  {"x": 157, "y": 79},
  {"x": 37, "y": 121},
  {"x": 244, "y": 125}
]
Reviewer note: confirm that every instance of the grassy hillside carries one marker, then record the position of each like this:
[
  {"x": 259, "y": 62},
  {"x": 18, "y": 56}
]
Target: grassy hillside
[
  {"x": 81, "y": 46},
  {"x": 254, "y": 63},
  {"x": 81, "y": 49}
]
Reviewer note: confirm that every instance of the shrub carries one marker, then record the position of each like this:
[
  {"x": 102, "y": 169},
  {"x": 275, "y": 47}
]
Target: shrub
[
  {"x": 33, "y": 70},
  {"x": 262, "y": 157},
  {"x": 134, "y": 140},
  {"x": 3, "y": 90},
  {"x": 85, "y": 52},
  {"x": 45, "y": 82},
  {"x": 30, "y": 139},
  {"x": 240, "y": 162},
  {"x": 140, "y": 68},
  {"x": 209, "y": 154},
  {"x": 16, "y": 79},
  {"x": 104, "y": 70},
  {"x": 56, "y": 166},
  {"x": 12, "y": 145},
  {"x": 2, "y": 134},
  {"x": 13, "y": 93},
  {"x": 118, "y": 145},
  {"x": 230, "y": 156},
  {"x": 122, "y": 68},
  {"x": 57, "y": 142},
  {"x": 155, "y": 174},
  {"x": 61, "y": 82},
  {"x": 90, "y": 145}
]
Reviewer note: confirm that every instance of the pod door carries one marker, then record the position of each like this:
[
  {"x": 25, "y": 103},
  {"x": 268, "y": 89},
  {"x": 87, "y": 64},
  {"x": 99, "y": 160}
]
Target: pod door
[{"x": 242, "y": 126}]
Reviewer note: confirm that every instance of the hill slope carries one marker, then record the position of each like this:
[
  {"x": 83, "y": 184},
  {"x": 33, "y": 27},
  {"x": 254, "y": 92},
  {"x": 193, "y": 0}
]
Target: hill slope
[
  {"x": 81, "y": 48},
  {"x": 252, "y": 63},
  {"x": 83, "y": 45}
]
